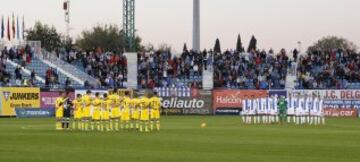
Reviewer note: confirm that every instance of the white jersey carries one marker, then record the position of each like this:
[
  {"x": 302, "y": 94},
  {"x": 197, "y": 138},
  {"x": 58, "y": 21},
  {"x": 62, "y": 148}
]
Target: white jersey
[
  {"x": 321, "y": 109},
  {"x": 301, "y": 107},
  {"x": 291, "y": 107},
  {"x": 315, "y": 107},
  {"x": 255, "y": 105},
  {"x": 264, "y": 105},
  {"x": 273, "y": 106},
  {"x": 246, "y": 107},
  {"x": 308, "y": 105}
]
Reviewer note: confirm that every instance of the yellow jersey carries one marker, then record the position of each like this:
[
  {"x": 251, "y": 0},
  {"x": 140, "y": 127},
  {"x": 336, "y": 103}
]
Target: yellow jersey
[
  {"x": 97, "y": 104},
  {"x": 78, "y": 108},
  {"x": 106, "y": 107},
  {"x": 87, "y": 100},
  {"x": 155, "y": 103},
  {"x": 144, "y": 113},
  {"x": 106, "y": 104},
  {"x": 97, "y": 109},
  {"x": 78, "y": 104},
  {"x": 59, "y": 107}
]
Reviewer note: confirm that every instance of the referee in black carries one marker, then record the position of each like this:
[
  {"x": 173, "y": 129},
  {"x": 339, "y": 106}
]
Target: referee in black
[{"x": 67, "y": 111}]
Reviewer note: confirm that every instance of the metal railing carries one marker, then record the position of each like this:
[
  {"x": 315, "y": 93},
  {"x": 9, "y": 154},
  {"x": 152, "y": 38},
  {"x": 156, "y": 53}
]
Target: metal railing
[{"x": 77, "y": 74}]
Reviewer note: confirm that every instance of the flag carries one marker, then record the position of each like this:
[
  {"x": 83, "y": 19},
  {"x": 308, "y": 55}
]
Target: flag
[
  {"x": 2, "y": 27},
  {"x": 13, "y": 26},
  {"x": 18, "y": 28},
  {"x": 8, "y": 29},
  {"x": 23, "y": 28}
]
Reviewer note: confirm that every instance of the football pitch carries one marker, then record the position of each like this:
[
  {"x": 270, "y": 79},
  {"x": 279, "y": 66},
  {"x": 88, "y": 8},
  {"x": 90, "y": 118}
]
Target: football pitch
[{"x": 182, "y": 139}]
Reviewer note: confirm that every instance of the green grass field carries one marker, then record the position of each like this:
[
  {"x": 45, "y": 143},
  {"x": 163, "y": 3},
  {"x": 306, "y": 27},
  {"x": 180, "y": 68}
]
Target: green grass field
[{"x": 182, "y": 139}]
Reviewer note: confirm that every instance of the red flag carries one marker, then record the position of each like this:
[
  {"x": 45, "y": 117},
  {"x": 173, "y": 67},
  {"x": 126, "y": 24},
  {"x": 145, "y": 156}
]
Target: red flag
[{"x": 8, "y": 29}]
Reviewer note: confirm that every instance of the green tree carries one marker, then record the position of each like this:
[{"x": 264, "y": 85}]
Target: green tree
[
  {"x": 239, "y": 47},
  {"x": 252, "y": 44},
  {"x": 108, "y": 37},
  {"x": 163, "y": 47},
  {"x": 217, "y": 47},
  {"x": 49, "y": 37},
  {"x": 332, "y": 42}
]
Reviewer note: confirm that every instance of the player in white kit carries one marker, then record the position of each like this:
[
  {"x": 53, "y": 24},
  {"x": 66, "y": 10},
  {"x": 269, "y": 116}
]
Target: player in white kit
[
  {"x": 313, "y": 110},
  {"x": 264, "y": 112},
  {"x": 290, "y": 108},
  {"x": 246, "y": 110},
  {"x": 320, "y": 114},
  {"x": 255, "y": 105},
  {"x": 308, "y": 106},
  {"x": 273, "y": 107},
  {"x": 252, "y": 110},
  {"x": 301, "y": 110}
]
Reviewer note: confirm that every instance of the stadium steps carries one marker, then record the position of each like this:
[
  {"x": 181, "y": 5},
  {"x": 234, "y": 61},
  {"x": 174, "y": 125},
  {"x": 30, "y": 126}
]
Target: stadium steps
[
  {"x": 208, "y": 79},
  {"x": 41, "y": 67},
  {"x": 291, "y": 77},
  {"x": 26, "y": 74},
  {"x": 73, "y": 72}
]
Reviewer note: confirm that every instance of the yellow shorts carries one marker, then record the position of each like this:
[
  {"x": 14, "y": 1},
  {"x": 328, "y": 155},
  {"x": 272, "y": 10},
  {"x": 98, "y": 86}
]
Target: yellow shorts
[
  {"x": 125, "y": 116},
  {"x": 105, "y": 115},
  {"x": 59, "y": 113},
  {"x": 155, "y": 114},
  {"x": 78, "y": 114},
  {"x": 135, "y": 115},
  {"x": 86, "y": 112},
  {"x": 96, "y": 115},
  {"x": 115, "y": 113},
  {"x": 144, "y": 115}
]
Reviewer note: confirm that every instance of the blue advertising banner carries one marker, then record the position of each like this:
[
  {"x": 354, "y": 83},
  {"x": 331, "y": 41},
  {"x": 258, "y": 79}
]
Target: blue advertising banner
[
  {"x": 278, "y": 93},
  {"x": 34, "y": 113}
]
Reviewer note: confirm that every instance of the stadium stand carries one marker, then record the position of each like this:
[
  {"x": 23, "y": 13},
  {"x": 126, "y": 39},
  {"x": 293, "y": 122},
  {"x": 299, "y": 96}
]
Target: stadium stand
[
  {"x": 336, "y": 69},
  {"x": 254, "y": 70}
]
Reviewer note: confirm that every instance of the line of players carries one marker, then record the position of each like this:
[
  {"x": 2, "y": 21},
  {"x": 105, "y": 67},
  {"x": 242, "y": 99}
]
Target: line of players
[
  {"x": 108, "y": 112},
  {"x": 296, "y": 109}
]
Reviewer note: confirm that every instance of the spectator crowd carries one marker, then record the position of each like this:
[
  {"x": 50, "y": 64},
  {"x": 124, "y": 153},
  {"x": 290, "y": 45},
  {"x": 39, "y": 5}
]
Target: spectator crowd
[
  {"x": 253, "y": 70},
  {"x": 333, "y": 69}
]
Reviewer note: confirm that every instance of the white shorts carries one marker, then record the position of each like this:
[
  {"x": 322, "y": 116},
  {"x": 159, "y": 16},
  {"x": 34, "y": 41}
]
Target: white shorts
[
  {"x": 252, "y": 112},
  {"x": 290, "y": 112},
  {"x": 313, "y": 113},
  {"x": 273, "y": 112}
]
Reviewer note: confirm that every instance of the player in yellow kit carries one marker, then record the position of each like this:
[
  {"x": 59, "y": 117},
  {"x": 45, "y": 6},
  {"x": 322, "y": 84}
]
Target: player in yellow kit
[
  {"x": 115, "y": 110},
  {"x": 86, "y": 100},
  {"x": 78, "y": 113},
  {"x": 96, "y": 117},
  {"x": 144, "y": 113},
  {"x": 59, "y": 110},
  {"x": 125, "y": 113},
  {"x": 105, "y": 112},
  {"x": 155, "y": 105},
  {"x": 135, "y": 113}
]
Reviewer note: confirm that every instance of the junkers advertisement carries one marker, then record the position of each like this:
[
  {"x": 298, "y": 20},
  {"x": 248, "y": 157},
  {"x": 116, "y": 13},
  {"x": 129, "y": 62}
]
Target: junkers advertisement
[{"x": 199, "y": 104}]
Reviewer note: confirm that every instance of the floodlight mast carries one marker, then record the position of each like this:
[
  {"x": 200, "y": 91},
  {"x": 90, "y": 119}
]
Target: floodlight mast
[
  {"x": 66, "y": 7},
  {"x": 129, "y": 24}
]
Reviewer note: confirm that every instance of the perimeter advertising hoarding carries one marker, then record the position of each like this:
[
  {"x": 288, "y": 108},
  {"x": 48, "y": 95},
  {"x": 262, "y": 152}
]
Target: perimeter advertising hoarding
[
  {"x": 337, "y": 103},
  {"x": 229, "y": 102},
  {"x": 18, "y": 97},
  {"x": 196, "y": 105},
  {"x": 48, "y": 98}
]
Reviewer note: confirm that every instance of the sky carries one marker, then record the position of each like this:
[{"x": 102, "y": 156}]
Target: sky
[{"x": 275, "y": 23}]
